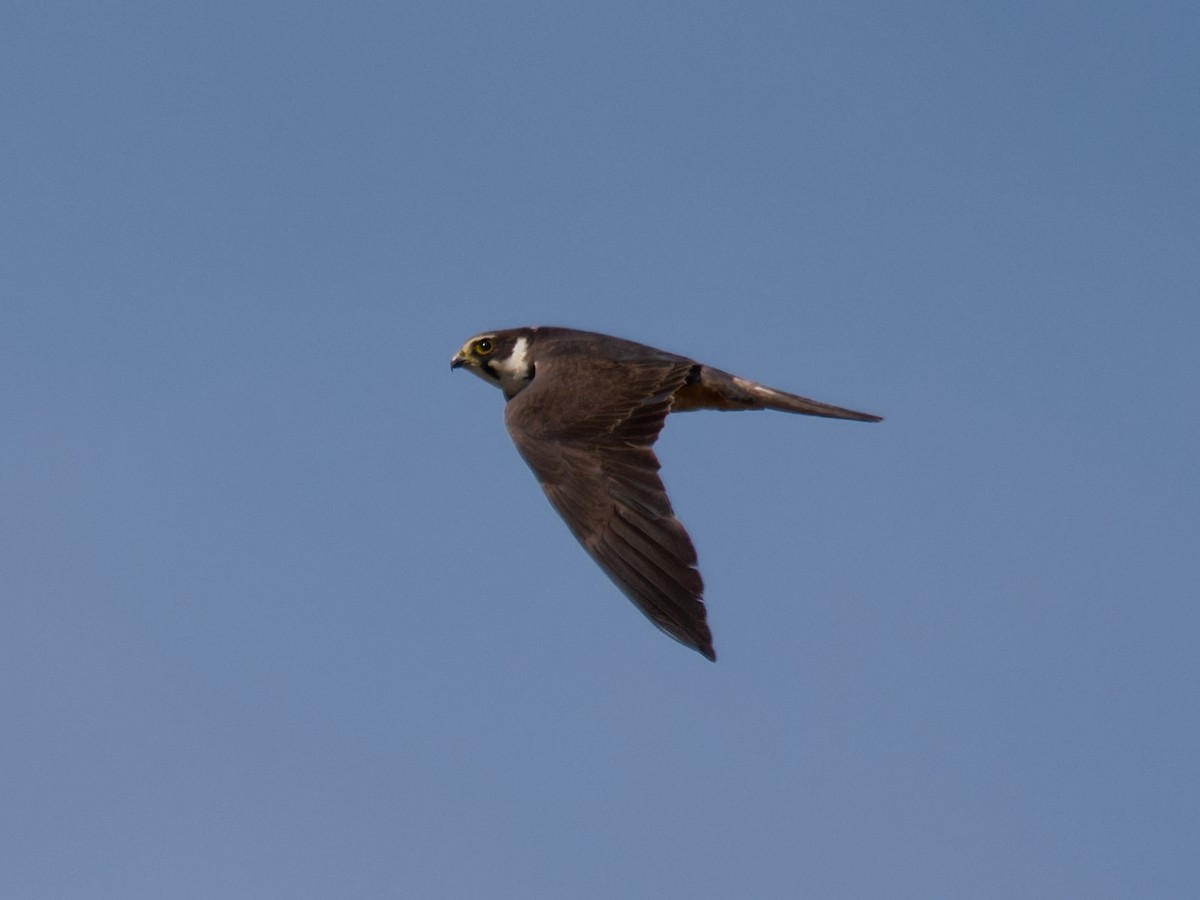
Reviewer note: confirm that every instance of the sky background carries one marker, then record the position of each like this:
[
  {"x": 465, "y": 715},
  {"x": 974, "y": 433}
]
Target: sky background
[{"x": 284, "y": 615}]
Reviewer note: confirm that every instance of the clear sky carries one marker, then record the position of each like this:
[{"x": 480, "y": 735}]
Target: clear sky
[{"x": 284, "y": 615}]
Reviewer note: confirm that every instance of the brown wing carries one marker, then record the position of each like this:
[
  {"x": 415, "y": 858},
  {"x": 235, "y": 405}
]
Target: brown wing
[{"x": 586, "y": 426}]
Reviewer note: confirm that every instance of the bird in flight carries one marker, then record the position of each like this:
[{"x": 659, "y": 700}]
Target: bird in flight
[{"x": 584, "y": 411}]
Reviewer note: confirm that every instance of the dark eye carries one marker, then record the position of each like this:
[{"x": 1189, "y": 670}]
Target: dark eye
[{"x": 484, "y": 347}]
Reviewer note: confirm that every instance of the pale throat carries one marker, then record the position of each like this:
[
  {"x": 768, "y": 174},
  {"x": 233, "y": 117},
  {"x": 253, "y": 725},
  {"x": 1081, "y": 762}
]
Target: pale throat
[{"x": 514, "y": 370}]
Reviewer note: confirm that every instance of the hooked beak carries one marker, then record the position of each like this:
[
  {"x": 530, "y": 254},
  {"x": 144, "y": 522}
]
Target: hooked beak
[{"x": 457, "y": 361}]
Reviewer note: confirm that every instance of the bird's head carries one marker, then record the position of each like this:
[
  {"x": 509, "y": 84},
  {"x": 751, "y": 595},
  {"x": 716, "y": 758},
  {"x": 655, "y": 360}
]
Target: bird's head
[{"x": 498, "y": 357}]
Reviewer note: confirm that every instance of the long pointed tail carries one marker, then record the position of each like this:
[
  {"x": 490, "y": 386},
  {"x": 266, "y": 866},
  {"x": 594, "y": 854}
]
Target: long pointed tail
[
  {"x": 709, "y": 388},
  {"x": 794, "y": 403}
]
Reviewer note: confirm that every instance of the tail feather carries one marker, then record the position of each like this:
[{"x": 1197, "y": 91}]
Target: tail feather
[
  {"x": 769, "y": 398},
  {"x": 709, "y": 388}
]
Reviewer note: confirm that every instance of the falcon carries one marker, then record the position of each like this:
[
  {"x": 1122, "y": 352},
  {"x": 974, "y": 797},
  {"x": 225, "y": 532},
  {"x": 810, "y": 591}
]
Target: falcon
[{"x": 584, "y": 411}]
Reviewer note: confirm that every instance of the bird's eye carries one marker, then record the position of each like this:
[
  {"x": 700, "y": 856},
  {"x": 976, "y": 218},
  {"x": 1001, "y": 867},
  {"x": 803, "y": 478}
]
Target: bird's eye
[{"x": 484, "y": 347}]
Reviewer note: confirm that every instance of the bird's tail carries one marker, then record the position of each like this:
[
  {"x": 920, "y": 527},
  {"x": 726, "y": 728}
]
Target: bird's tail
[{"x": 709, "y": 388}]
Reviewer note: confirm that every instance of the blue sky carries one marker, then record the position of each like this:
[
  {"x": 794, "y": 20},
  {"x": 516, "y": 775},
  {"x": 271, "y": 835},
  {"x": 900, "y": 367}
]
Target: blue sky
[{"x": 282, "y": 612}]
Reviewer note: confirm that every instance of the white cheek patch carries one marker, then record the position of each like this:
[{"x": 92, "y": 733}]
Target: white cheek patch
[
  {"x": 514, "y": 370},
  {"x": 516, "y": 365},
  {"x": 519, "y": 363}
]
